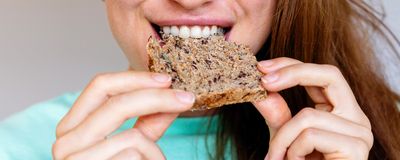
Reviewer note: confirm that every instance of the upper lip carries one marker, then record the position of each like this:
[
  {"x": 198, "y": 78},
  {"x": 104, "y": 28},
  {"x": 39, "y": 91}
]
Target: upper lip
[{"x": 200, "y": 21}]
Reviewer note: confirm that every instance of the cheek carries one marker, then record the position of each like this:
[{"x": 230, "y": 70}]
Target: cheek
[
  {"x": 128, "y": 3},
  {"x": 255, "y": 22},
  {"x": 259, "y": 12},
  {"x": 126, "y": 20},
  {"x": 123, "y": 15},
  {"x": 258, "y": 6}
]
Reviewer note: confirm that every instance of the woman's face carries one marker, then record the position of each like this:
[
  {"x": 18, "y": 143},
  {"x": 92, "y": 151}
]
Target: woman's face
[{"x": 134, "y": 21}]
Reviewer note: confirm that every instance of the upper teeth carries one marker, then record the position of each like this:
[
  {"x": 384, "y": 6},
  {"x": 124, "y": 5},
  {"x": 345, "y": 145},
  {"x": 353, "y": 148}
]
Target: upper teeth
[{"x": 193, "y": 31}]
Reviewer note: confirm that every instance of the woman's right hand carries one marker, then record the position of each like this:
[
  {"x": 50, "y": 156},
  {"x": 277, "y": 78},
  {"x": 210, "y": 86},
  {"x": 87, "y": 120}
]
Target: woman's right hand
[{"x": 106, "y": 103}]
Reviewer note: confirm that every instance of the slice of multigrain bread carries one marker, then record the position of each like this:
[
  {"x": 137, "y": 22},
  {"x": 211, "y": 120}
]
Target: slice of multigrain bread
[{"x": 217, "y": 71}]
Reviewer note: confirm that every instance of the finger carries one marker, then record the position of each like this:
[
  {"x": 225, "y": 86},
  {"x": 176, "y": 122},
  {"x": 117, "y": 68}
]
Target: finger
[
  {"x": 274, "y": 110},
  {"x": 128, "y": 154},
  {"x": 332, "y": 145},
  {"x": 120, "y": 108},
  {"x": 153, "y": 126},
  {"x": 327, "y": 77},
  {"x": 105, "y": 86},
  {"x": 272, "y": 65},
  {"x": 132, "y": 138},
  {"x": 311, "y": 118}
]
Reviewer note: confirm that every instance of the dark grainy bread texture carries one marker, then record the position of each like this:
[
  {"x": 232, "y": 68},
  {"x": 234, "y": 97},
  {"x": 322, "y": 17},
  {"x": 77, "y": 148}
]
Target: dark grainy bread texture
[{"x": 217, "y": 71}]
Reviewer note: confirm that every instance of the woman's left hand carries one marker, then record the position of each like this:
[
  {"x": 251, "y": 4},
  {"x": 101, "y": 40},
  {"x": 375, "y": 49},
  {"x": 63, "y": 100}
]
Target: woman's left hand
[{"x": 336, "y": 128}]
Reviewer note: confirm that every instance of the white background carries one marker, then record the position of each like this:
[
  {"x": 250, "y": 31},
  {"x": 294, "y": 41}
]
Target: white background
[{"x": 48, "y": 47}]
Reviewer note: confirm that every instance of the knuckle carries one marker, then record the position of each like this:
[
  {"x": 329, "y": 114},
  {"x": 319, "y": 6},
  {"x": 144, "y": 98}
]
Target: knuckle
[
  {"x": 332, "y": 69},
  {"x": 304, "y": 137},
  {"x": 114, "y": 100},
  {"x": 100, "y": 79},
  {"x": 275, "y": 122},
  {"x": 307, "y": 114},
  {"x": 133, "y": 135},
  {"x": 308, "y": 134},
  {"x": 57, "y": 149},
  {"x": 61, "y": 148},
  {"x": 148, "y": 130},
  {"x": 292, "y": 72},
  {"x": 290, "y": 153},
  {"x": 357, "y": 143},
  {"x": 159, "y": 93},
  {"x": 120, "y": 103},
  {"x": 360, "y": 147},
  {"x": 132, "y": 153},
  {"x": 62, "y": 127},
  {"x": 72, "y": 157},
  {"x": 365, "y": 121},
  {"x": 59, "y": 130},
  {"x": 369, "y": 138}
]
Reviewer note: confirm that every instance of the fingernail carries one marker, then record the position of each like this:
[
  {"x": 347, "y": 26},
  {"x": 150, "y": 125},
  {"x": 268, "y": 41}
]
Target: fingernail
[
  {"x": 266, "y": 63},
  {"x": 270, "y": 78},
  {"x": 185, "y": 97},
  {"x": 161, "y": 77}
]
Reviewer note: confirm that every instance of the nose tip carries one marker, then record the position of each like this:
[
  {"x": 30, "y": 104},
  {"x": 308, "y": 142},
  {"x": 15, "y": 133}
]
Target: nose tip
[{"x": 191, "y": 4}]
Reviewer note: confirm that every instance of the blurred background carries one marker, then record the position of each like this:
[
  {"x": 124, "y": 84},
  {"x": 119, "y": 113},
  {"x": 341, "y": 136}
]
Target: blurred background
[{"x": 49, "y": 47}]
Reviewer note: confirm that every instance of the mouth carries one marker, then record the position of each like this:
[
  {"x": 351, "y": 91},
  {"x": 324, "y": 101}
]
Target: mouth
[{"x": 190, "y": 31}]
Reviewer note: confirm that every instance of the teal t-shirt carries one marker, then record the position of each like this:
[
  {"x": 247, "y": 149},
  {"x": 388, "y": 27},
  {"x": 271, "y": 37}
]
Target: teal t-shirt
[{"x": 31, "y": 133}]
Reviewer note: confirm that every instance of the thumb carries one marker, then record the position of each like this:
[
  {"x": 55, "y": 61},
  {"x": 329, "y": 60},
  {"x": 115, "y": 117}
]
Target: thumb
[
  {"x": 275, "y": 111},
  {"x": 153, "y": 126}
]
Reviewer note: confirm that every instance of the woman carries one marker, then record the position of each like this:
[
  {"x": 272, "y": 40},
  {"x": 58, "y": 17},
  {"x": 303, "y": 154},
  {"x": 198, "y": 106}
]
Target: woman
[{"x": 326, "y": 99}]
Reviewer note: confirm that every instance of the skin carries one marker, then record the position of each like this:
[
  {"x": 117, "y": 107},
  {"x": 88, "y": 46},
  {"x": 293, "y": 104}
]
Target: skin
[{"x": 336, "y": 128}]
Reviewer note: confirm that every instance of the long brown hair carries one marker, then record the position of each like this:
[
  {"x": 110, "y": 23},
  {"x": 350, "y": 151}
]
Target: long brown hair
[{"x": 337, "y": 32}]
